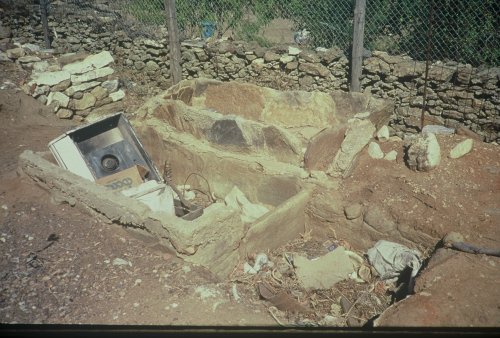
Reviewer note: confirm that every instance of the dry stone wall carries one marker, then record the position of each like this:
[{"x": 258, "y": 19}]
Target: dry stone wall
[{"x": 458, "y": 95}]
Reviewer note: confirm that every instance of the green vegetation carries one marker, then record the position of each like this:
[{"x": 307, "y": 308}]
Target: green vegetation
[{"x": 462, "y": 30}]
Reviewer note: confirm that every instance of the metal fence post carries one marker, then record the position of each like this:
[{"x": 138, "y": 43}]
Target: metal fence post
[
  {"x": 174, "y": 43},
  {"x": 357, "y": 45}
]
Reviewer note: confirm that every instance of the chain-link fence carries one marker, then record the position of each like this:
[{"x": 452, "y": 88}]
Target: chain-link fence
[{"x": 461, "y": 30}]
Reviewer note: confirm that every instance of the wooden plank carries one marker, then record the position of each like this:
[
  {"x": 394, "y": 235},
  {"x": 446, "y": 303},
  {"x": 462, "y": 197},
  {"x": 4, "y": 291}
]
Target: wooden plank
[
  {"x": 174, "y": 43},
  {"x": 43, "y": 11},
  {"x": 357, "y": 45}
]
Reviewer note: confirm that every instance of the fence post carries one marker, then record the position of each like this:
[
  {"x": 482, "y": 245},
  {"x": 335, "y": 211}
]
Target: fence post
[
  {"x": 43, "y": 13},
  {"x": 357, "y": 45},
  {"x": 174, "y": 43}
]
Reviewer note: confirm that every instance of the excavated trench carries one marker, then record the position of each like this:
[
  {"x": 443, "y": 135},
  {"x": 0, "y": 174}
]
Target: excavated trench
[{"x": 263, "y": 148}]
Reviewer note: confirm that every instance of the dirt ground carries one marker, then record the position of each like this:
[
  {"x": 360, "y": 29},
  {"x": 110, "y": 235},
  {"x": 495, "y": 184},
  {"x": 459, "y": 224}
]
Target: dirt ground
[{"x": 59, "y": 264}]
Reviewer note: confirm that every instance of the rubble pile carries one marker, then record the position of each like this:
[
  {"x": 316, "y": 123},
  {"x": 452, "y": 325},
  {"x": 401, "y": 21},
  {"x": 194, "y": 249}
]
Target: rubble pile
[{"x": 73, "y": 85}]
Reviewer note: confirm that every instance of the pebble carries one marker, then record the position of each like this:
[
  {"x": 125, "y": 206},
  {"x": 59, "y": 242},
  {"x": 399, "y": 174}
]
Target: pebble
[{"x": 121, "y": 261}]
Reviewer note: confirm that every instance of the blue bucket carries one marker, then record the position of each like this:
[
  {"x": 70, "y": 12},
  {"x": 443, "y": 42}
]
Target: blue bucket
[{"x": 207, "y": 29}]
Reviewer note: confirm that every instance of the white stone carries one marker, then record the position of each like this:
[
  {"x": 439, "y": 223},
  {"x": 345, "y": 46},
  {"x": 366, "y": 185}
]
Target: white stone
[
  {"x": 258, "y": 61},
  {"x": 31, "y": 47},
  {"x": 28, "y": 59},
  {"x": 58, "y": 97},
  {"x": 15, "y": 53},
  {"x": 41, "y": 66},
  {"x": 462, "y": 148},
  {"x": 437, "y": 129},
  {"x": 117, "y": 96},
  {"x": 80, "y": 88},
  {"x": 383, "y": 134},
  {"x": 152, "y": 43},
  {"x": 293, "y": 51},
  {"x": 357, "y": 136},
  {"x": 423, "y": 152},
  {"x": 87, "y": 101},
  {"x": 362, "y": 116},
  {"x": 391, "y": 155},
  {"x": 50, "y": 78},
  {"x": 40, "y": 90},
  {"x": 90, "y": 63},
  {"x": 92, "y": 75},
  {"x": 287, "y": 58},
  {"x": 111, "y": 85},
  {"x": 374, "y": 151}
]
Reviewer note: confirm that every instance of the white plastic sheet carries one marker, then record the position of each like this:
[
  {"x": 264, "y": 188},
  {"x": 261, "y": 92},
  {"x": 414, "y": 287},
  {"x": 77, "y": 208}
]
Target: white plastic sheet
[{"x": 390, "y": 259}]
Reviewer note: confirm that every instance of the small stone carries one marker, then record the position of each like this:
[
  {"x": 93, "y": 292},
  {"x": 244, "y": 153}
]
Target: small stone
[
  {"x": 383, "y": 134},
  {"x": 121, "y": 261},
  {"x": 286, "y": 59},
  {"x": 293, "y": 51},
  {"x": 137, "y": 281},
  {"x": 58, "y": 97},
  {"x": 41, "y": 66},
  {"x": 92, "y": 75},
  {"x": 271, "y": 56},
  {"x": 291, "y": 65},
  {"x": 61, "y": 86},
  {"x": 40, "y": 90},
  {"x": 80, "y": 88},
  {"x": 152, "y": 66},
  {"x": 31, "y": 47},
  {"x": 110, "y": 85},
  {"x": 391, "y": 155},
  {"x": 461, "y": 149},
  {"x": 64, "y": 113},
  {"x": 117, "y": 96},
  {"x": 87, "y": 101},
  {"x": 15, "y": 53},
  {"x": 139, "y": 65},
  {"x": 28, "y": 59},
  {"x": 353, "y": 211},
  {"x": 51, "y": 78},
  {"x": 43, "y": 99},
  {"x": 78, "y": 95},
  {"x": 99, "y": 92},
  {"x": 374, "y": 151}
]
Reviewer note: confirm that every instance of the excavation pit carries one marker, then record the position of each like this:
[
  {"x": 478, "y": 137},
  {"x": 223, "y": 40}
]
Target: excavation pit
[{"x": 259, "y": 149}]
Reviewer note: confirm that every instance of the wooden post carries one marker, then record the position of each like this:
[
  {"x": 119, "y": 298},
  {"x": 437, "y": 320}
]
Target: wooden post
[
  {"x": 357, "y": 45},
  {"x": 45, "y": 24},
  {"x": 174, "y": 43}
]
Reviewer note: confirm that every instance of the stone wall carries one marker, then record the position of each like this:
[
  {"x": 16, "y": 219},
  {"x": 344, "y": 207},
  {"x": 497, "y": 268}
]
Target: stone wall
[{"x": 458, "y": 95}]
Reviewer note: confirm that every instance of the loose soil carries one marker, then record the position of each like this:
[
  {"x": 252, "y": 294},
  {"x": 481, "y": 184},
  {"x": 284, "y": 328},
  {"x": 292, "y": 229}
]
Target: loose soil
[{"x": 60, "y": 263}]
